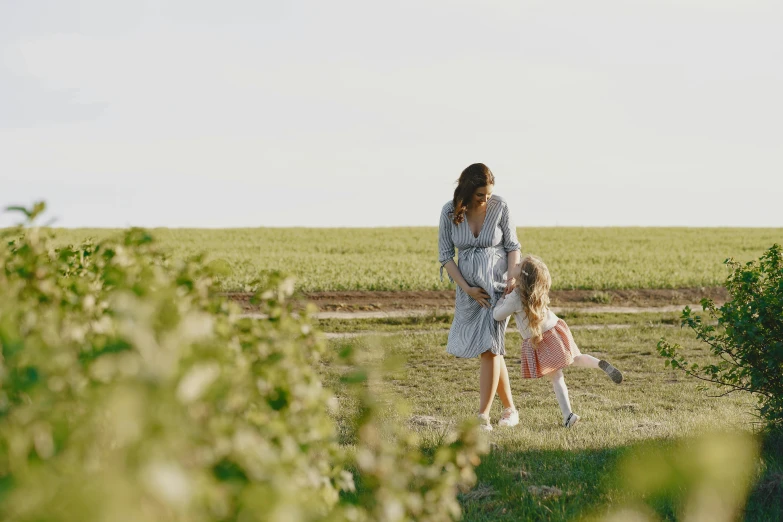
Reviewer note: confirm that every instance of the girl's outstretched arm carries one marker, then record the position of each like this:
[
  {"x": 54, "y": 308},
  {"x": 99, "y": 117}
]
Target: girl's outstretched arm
[{"x": 506, "y": 306}]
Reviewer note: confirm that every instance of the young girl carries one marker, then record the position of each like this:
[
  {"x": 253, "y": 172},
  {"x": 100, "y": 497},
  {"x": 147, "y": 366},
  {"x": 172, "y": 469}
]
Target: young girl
[{"x": 547, "y": 343}]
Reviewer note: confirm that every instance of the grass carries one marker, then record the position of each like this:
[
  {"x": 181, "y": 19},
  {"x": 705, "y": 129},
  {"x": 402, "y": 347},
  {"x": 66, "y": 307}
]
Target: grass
[
  {"x": 654, "y": 405},
  {"x": 406, "y": 258}
]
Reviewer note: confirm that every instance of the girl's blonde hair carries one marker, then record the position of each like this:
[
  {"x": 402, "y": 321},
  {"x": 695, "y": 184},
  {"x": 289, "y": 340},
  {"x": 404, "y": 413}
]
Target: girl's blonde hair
[{"x": 533, "y": 287}]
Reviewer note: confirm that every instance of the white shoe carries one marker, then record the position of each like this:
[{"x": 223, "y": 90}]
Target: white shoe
[
  {"x": 572, "y": 419},
  {"x": 509, "y": 418},
  {"x": 484, "y": 423}
]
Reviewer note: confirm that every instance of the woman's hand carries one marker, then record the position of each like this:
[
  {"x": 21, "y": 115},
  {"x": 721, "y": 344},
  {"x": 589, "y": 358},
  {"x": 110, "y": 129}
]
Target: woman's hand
[
  {"x": 478, "y": 293},
  {"x": 511, "y": 284}
]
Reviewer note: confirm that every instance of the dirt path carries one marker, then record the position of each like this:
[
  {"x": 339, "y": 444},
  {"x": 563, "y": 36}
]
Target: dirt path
[
  {"x": 369, "y": 333},
  {"x": 387, "y": 304}
]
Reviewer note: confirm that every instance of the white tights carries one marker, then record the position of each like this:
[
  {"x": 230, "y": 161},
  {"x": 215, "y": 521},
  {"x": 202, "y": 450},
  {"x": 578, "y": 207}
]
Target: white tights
[
  {"x": 559, "y": 385},
  {"x": 586, "y": 361}
]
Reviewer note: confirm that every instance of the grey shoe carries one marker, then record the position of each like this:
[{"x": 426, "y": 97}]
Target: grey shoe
[
  {"x": 572, "y": 419},
  {"x": 611, "y": 371}
]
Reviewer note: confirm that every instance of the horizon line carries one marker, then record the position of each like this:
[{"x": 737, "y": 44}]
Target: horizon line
[{"x": 316, "y": 227}]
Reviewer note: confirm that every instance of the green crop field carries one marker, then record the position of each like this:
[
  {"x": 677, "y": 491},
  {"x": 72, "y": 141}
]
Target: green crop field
[{"x": 407, "y": 258}]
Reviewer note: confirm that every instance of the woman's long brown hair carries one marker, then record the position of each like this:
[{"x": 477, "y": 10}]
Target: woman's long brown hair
[{"x": 475, "y": 176}]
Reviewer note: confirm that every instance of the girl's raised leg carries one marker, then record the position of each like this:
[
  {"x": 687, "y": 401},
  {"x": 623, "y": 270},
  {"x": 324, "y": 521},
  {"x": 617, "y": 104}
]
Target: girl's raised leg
[{"x": 588, "y": 361}]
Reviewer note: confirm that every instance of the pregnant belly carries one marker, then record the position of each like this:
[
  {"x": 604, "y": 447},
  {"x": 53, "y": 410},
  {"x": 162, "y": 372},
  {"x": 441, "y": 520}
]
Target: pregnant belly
[{"x": 484, "y": 267}]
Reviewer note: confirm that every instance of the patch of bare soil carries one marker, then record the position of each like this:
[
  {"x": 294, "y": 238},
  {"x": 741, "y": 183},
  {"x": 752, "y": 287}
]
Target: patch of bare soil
[{"x": 444, "y": 299}]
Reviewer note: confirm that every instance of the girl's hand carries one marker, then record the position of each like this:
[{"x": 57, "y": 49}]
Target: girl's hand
[
  {"x": 511, "y": 284},
  {"x": 478, "y": 293}
]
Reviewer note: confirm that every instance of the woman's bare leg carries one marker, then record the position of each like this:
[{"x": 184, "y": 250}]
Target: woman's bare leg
[
  {"x": 488, "y": 380},
  {"x": 504, "y": 385}
]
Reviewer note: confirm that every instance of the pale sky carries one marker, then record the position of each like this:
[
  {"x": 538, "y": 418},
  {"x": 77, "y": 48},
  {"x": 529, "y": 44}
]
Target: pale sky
[{"x": 245, "y": 113}]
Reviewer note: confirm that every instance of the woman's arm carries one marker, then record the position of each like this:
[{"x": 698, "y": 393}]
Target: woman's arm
[
  {"x": 453, "y": 270},
  {"x": 476, "y": 292},
  {"x": 445, "y": 243},
  {"x": 446, "y": 258},
  {"x": 511, "y": 246},
  {"x": 513, "y": 260}
]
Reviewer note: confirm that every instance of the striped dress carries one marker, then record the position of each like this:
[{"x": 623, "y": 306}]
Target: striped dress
[{"x": 482, "y": 262}]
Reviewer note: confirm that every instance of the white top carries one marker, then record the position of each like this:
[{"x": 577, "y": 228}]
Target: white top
[{"x": 512, "y": 304}]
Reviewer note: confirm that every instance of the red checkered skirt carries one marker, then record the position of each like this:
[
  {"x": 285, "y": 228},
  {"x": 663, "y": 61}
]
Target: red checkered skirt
[{"x": 556, "y": 350}]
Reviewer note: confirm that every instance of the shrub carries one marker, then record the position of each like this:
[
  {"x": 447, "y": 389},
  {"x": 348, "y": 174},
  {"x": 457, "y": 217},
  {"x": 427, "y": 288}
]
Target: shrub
[
  {"x": 130, "y": 391},
  {"x": 745, "y": 335}
]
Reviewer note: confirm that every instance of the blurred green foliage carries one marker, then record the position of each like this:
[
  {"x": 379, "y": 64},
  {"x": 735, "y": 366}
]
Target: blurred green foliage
[
  {"x": 130, "y": 391},
  {"x": 706, "y": 479}
]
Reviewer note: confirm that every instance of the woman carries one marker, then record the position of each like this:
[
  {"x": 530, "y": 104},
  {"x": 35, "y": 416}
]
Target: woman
[{"x": 478, "y": 223}]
